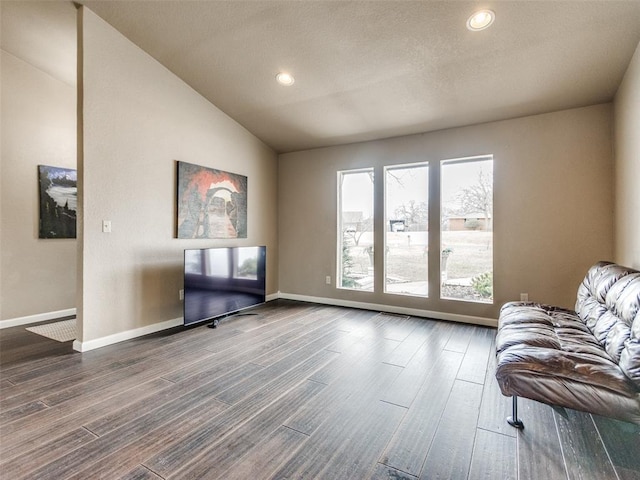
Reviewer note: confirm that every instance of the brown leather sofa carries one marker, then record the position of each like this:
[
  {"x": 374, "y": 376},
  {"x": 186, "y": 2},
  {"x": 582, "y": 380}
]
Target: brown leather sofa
[{"x": 587, "y": 359}]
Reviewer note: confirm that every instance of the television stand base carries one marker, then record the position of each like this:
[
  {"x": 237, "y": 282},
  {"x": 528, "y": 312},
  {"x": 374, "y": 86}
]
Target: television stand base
[{"x": 216, "y": 321}]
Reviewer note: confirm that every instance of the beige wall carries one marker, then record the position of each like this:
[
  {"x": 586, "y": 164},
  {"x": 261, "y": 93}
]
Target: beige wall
[
  {"x": 139, "y": 119},
  {"x": 37, "y": 277},
  {"x": 553, "y": 174},
  {"x": 553, "y": 206},
  {"x": 627, "y": 158}
]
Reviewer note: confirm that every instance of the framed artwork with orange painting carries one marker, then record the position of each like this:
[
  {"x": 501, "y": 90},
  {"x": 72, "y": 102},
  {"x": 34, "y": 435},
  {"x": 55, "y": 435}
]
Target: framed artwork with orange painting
[{"x": 211, "y": 203}]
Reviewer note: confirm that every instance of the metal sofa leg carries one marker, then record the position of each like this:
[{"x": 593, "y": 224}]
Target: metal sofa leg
[{"x": 513, "y": 420}]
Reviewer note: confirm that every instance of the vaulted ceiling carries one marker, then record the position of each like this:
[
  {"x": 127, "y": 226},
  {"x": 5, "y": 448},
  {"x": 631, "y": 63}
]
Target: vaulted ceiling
[{"x": 363, "y": 69}]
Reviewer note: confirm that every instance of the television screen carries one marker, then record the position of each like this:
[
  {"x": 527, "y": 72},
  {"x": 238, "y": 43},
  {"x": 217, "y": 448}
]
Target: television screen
[{"x": 221, "y": 281}]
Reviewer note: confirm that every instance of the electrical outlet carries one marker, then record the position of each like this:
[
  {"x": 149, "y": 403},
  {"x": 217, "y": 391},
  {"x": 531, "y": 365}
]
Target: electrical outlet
[
  {"x": 328, "y": 280},
  {"x": 524, "y": 297},
  {"x": 181, "y": 294},
  {"x": 106, "y": 226}
]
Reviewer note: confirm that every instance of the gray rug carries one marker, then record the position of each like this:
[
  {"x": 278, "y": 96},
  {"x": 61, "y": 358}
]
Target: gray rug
[{"x": 61, "y": 331}]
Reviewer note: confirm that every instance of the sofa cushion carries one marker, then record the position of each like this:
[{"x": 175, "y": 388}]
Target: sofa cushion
[
  {"x": 579, "y": 368},
  {"x": 630, "y": 360},
  {"x": 609, "y": 305},
  {"x": 547, "y": 326}
]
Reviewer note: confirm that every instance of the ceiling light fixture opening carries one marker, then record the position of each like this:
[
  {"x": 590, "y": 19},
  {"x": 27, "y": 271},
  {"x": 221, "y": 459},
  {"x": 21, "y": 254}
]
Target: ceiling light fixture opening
[
  {"x": 480, "y": 20},
  {"x": 284, "y": 78}
]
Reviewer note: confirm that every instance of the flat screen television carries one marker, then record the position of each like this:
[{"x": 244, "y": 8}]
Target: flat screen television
[{"x": 222, "y": 281}]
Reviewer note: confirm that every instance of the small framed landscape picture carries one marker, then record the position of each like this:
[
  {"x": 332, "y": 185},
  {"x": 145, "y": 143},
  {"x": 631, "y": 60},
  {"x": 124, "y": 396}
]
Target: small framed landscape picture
[{"x": 58, "y": 201}]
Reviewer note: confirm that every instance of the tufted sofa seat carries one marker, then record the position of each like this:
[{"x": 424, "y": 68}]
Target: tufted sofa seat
[{"x": 587, "y": 359}]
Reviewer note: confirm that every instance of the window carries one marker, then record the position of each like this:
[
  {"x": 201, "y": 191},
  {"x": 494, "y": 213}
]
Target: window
[
  {"x": 406, "y": 229},
  {"x": 466, "y": 222},
  {"x": 355, "y": 230},
  {"x": 217, "y": 262},
  {"x": 245, "y": 262},
  {"x": 465, "y": 229}
]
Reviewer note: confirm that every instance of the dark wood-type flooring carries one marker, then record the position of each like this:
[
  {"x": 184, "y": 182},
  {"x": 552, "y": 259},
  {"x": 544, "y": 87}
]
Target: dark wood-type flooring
[{"x": 298, "y": 391}]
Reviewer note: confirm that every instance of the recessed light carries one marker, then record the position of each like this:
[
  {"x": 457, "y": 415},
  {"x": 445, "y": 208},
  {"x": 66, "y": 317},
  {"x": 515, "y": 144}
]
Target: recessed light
[
  {"x": 480, "y": 20},
  {"x": 284, "y": 78}
]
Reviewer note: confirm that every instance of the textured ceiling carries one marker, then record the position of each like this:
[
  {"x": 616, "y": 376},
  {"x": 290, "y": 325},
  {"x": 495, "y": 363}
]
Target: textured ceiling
[{"x": 374, "y": 69}]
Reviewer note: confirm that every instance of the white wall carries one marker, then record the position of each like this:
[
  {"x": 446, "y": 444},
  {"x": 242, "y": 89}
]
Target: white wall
[
  {"x": 553, "y": 206},
  {"x": 37, "y": 276},
  {"x": 627, "y": 161},
  {"x": 138, "y": 120}
]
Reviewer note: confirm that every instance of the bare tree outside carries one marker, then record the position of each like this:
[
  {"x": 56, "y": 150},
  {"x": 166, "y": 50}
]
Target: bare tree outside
[
  {"x": 478, "y": 197},
  {"x": 413, "y": 213},
  {"x": 355, "y": 232}
]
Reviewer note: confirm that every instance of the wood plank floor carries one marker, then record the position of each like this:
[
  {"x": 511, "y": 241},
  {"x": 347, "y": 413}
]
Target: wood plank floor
[{"x": 296, "y": 391}]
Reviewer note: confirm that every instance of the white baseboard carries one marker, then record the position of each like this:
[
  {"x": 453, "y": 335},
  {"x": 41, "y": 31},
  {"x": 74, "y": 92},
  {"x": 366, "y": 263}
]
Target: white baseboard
[
  {"x": 137, "y": 332},
  {"x": 156, "y": 327},
  {"x": 452, "y": 317},
  {"x": 40, "y": 317},
  {"x": 126, "y": 335}
]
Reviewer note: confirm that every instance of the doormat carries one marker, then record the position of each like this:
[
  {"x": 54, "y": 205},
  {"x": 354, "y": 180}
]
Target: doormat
[{"x": 60, "y": 331}]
